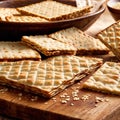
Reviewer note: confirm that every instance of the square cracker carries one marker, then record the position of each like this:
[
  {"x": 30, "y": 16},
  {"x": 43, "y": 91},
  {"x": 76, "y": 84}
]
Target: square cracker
[
  {"x": 106, "y": 79},
  {"x": 47, "y": 77},
  {"x": 11, "y": 51},
  {"x": 24, "y": 18},
  {"x": 53, "y": 10},
  {"x": 85, "y": 44},
  {"x": 111, "y": 38},
  {"x": 48, "y": 46}
]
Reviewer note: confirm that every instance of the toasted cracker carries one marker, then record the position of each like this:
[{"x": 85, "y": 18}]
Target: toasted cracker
[
  {"x": 11, "y": 51},
  {"x": 111, "y": 38},
  {"x": 47, "y": 77},
  {"x": 48, "y": 46},
  {"x": 24, "y": 18},
  {"x": 106, "y": 79},
  {"x": 4, "y": 12},
  {"x": 85, "y": 44},
  {"x": 53, "y": 10}
]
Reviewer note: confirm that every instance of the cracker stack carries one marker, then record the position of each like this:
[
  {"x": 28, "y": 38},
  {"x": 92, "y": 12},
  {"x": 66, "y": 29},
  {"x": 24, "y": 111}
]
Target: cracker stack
[
  {"x": 48, "y": 46},
  {"x": 106, "y": 79},
  {"x": 111, "y": 38},
  {"x": 85, "y": 44},
  {"x": 53, "y": 10},
  {"x": 48, "y": 77}
]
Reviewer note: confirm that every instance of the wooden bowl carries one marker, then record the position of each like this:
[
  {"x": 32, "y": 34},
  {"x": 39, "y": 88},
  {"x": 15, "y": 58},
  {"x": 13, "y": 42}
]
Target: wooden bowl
[
  {"x": 114, "y": 11},
  {"x": 16, "y": 30}
]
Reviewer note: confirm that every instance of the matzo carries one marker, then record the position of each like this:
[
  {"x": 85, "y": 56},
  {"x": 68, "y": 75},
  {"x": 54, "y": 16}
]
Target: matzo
[
  {"x": 47, "y": 77},
  {"x": 106, "y": 79},
  {"x": 85, "y": 44},
  {"x": 11, "y": 51},
  {"x": 53, "y": 10},
  {"x": 111, "y": 38},
  {"x": 48, "y": 46}
]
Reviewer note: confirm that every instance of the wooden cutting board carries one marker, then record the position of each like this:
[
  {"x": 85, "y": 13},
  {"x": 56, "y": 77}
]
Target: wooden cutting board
[{"x": 26, "y": 106}]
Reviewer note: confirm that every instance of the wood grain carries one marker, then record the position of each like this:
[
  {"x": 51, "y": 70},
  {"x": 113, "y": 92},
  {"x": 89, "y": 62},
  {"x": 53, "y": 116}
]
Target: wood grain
[{"x": 26, "y": 108}]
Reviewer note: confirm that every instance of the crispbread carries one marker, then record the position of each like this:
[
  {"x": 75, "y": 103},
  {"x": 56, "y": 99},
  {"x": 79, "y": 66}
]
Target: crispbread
[
  {"x": 11, "y": 51},
  {"x": 111, "y": 38},
  {"x": 24, "y": 18},
  {"x": 7, "y": 12},
  {"x": 47, "y": 77},
  {"x": 85, "y": 44},
  {"x": 105, "y": 79},
  {"x": 48, "y": 46},
  {"x": 53, "y": 10}
]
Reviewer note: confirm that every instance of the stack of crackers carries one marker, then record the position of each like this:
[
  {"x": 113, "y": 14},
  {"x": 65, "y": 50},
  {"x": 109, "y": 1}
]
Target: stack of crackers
[
  {"x": 43, "y": 11},
  {"x": 68, "y": 54},
  {"x": 23, "y": 66}
]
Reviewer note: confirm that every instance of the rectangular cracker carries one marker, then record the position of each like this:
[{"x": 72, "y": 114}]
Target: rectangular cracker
[
  {"x": 48, "y": 46},
  {"x": 53, "y": 10},
  {"x": 111, "y": 38},
  {"x": 11, "y": 51},
  {"x": 106, "y": 79},
  {"x": 85, "y": 44},
  {"x": 47, "y": 77},
  {"x": 4, "y": 12},
  {"x": 24, "y": 18}
]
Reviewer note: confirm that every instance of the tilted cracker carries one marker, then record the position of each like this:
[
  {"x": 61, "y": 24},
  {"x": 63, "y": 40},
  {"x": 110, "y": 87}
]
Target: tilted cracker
[
  {"x": 4, "y": 12},
  {"x": 111, "y": 38},
  {"x": 48, "y": 46},
  {"x": 47, "y": 77},
  {"x": 53, "y": 10},
  {"x": 85, "y": 44},
  {"x": 106, "y": 79},
  {"x": 11, "y": 51},
  {"x": 24, "y": 18}
]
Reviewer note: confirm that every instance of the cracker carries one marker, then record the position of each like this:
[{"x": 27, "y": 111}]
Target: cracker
[
  {"x": 111, "y": 38},
  {"x": 4, "y": 12},
  {"x": 106, "y": 79},
  {"x": 24, "y": 18},
  {"x": 47, "y": 77},
  {"x": 53, "y": 10},
  {"x": 11, "y": 51},
  {"x": 48, "y": 46},
  {"x": 85, "y": 44}
]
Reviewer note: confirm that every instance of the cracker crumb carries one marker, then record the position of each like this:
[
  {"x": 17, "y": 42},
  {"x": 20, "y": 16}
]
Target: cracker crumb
[
  {"x": 106, "y": 100},
  {"x": 71, "y": 104},
  {"x": 76, "y": 98},
  {"x": 46, "y": 103},
  {"x": 20, "y": 94},
  {"x": 63, "y": 101},
  {"x": 85, "y": 97},
  {"x": 99, "y": 99}
]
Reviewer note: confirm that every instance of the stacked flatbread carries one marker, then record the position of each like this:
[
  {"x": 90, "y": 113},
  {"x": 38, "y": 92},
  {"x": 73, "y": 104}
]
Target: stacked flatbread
[
  {"x": 111, "y": 38},
  {"x": 53, "y": 10},
  {"x": 106, "y": 79},
  {"x": 47, "y": 77},
  {"x": 48, "y": 46},
  {"x": 85, "y": 44},
  {"x": 12, "y": 51}
]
